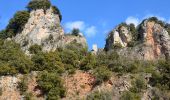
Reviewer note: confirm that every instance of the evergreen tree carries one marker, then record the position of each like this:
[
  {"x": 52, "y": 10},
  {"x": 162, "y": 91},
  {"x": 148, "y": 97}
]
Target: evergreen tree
[{"x": 75, "y": 32}]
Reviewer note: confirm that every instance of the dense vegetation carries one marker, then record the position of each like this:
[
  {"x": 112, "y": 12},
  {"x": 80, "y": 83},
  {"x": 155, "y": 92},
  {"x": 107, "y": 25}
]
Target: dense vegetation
[
  {"x": 12, "y": 59},
  {"x": 38, "y": 4},
  {"x": 51, "y": 84},
  {"x": 34, "y": 49},
  {"x": 16, "y": 24},
  {"x": 52, "y": 65},
  {"x": 103, "y": 95}
]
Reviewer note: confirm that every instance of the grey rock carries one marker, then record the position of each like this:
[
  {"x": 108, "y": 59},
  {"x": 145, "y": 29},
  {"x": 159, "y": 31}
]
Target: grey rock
[
  {"x": 43, "y": 28},
  {"x": 154, "y": 43},
  {"x": 119, "y": 36}
]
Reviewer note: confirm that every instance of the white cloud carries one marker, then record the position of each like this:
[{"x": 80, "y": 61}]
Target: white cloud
[
  {"x": 133, "y": 20},
  {"x": 76, "y": 24},
  {"x": 91, "y": 31}
]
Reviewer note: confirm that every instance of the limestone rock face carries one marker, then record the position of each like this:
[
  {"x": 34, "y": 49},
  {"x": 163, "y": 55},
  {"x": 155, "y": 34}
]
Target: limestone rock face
[
  {"x": 157, "y": 38},
  {"x": 8, "y": 84},
  {"x": 154, "y": 42},
  {"x": 119, "y": 36},
  {"x": 10, "y": 87},
  {"x": 43, "y": 28}
]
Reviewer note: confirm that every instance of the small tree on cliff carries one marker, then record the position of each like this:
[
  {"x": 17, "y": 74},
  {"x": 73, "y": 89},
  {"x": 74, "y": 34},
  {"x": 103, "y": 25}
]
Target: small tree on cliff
[
  {"x": 43, "y": 4},
  {"x": 75, "y": 32},
  {"x": 38, "y": 4},
  {"x": 57, "y": 11},
  {"x": 17, "y": 23}
]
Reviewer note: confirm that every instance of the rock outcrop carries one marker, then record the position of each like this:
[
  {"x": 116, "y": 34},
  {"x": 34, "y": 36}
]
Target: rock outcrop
[
  {"x": 153, "y": 42},
  {"x": 84, "y": 84},
  {"x": 119, "y": 36},
  {"x": 43, "y": 28},
  {"x": 8, "y": 85},
  {"x": 157, "y": 38},
  {"x": 11, "y": 91}
]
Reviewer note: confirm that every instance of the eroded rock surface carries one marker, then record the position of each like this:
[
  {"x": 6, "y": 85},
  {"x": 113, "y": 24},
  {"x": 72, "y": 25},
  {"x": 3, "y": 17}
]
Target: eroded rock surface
[
  {"x": 78, "y": 85},
  {"x": 10, "y": 90},
  {"x": 153, "y": 42},
  {"x": 8, "y": 84},
  {"x": 119, "y": 36},
  {"x": 43, "y": 28}
]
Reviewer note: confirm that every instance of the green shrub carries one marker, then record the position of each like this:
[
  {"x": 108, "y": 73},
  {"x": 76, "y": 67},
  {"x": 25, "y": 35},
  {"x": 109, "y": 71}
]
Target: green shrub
[
  {"x": 164, "y": 68},
  {"x": 133, "y": 67},
  {"x": 72, "y": 55},
  {"x": 34, "y": 49},
  {"x": 113, "y": 56},
  {"x": 38, "y": 4},
  {"x": 17, "y": 23},
  {"x": 75, "y": 32},
  {"x": 149, "y": 67},
  {"x": 107, "y": 59},
  {"x": 28, "y": 96},
  {"x": 117, "y": 46},
  {"x": 13, "y": 59},
  {"x": 102, "y": 59},
  {"x": 39, "y": 62},
  {"x": 138, "y": 85},
  {"x": 127, "y": 95},
  {"x": 51, "y": 84},
  {"x": 162, "y": 23},
  {"x": 23, "y": 85},
  {"x": 78, "y": 49},
  {"x": 131, "y": 44},
  {"x": 155, "y": 79},
  {"x": 100, "y": 96},
  {"x": 161, "y": 77},
  {"x": 56, "y": 93},
  {"x": 116, "y": 68},
  {"x": 156, "y": 20},
  {"x": 158, "y": 94},
  {"x": 48, "y": 61},
  {"x": 3, "y": 34},
  {"x": 167, "y": 27},
  {"x": 121, "y": 25},
  {"x": 53, "y": 62},
  {"x": 133, "y": 31},
  {"x": 102, "y": 74},
  {"x": 88, "y": 62},
  {"x": 70, "y": 68},
  {"x": 6, "y": 69},
  {"x": 57, "y": 11},
  {"x": 69, "y": 57}
]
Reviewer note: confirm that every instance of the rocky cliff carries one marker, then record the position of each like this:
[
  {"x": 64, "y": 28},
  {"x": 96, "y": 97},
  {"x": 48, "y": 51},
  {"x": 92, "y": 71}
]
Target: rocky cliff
[
  {"x": 153, "y": 41},
  {"x": 43, "y": 28},
  {"x": 121, "y": 35}
]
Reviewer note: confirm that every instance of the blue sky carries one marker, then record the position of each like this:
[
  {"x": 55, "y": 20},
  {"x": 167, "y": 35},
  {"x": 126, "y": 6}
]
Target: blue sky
[{"x": 95, "y": 18}]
